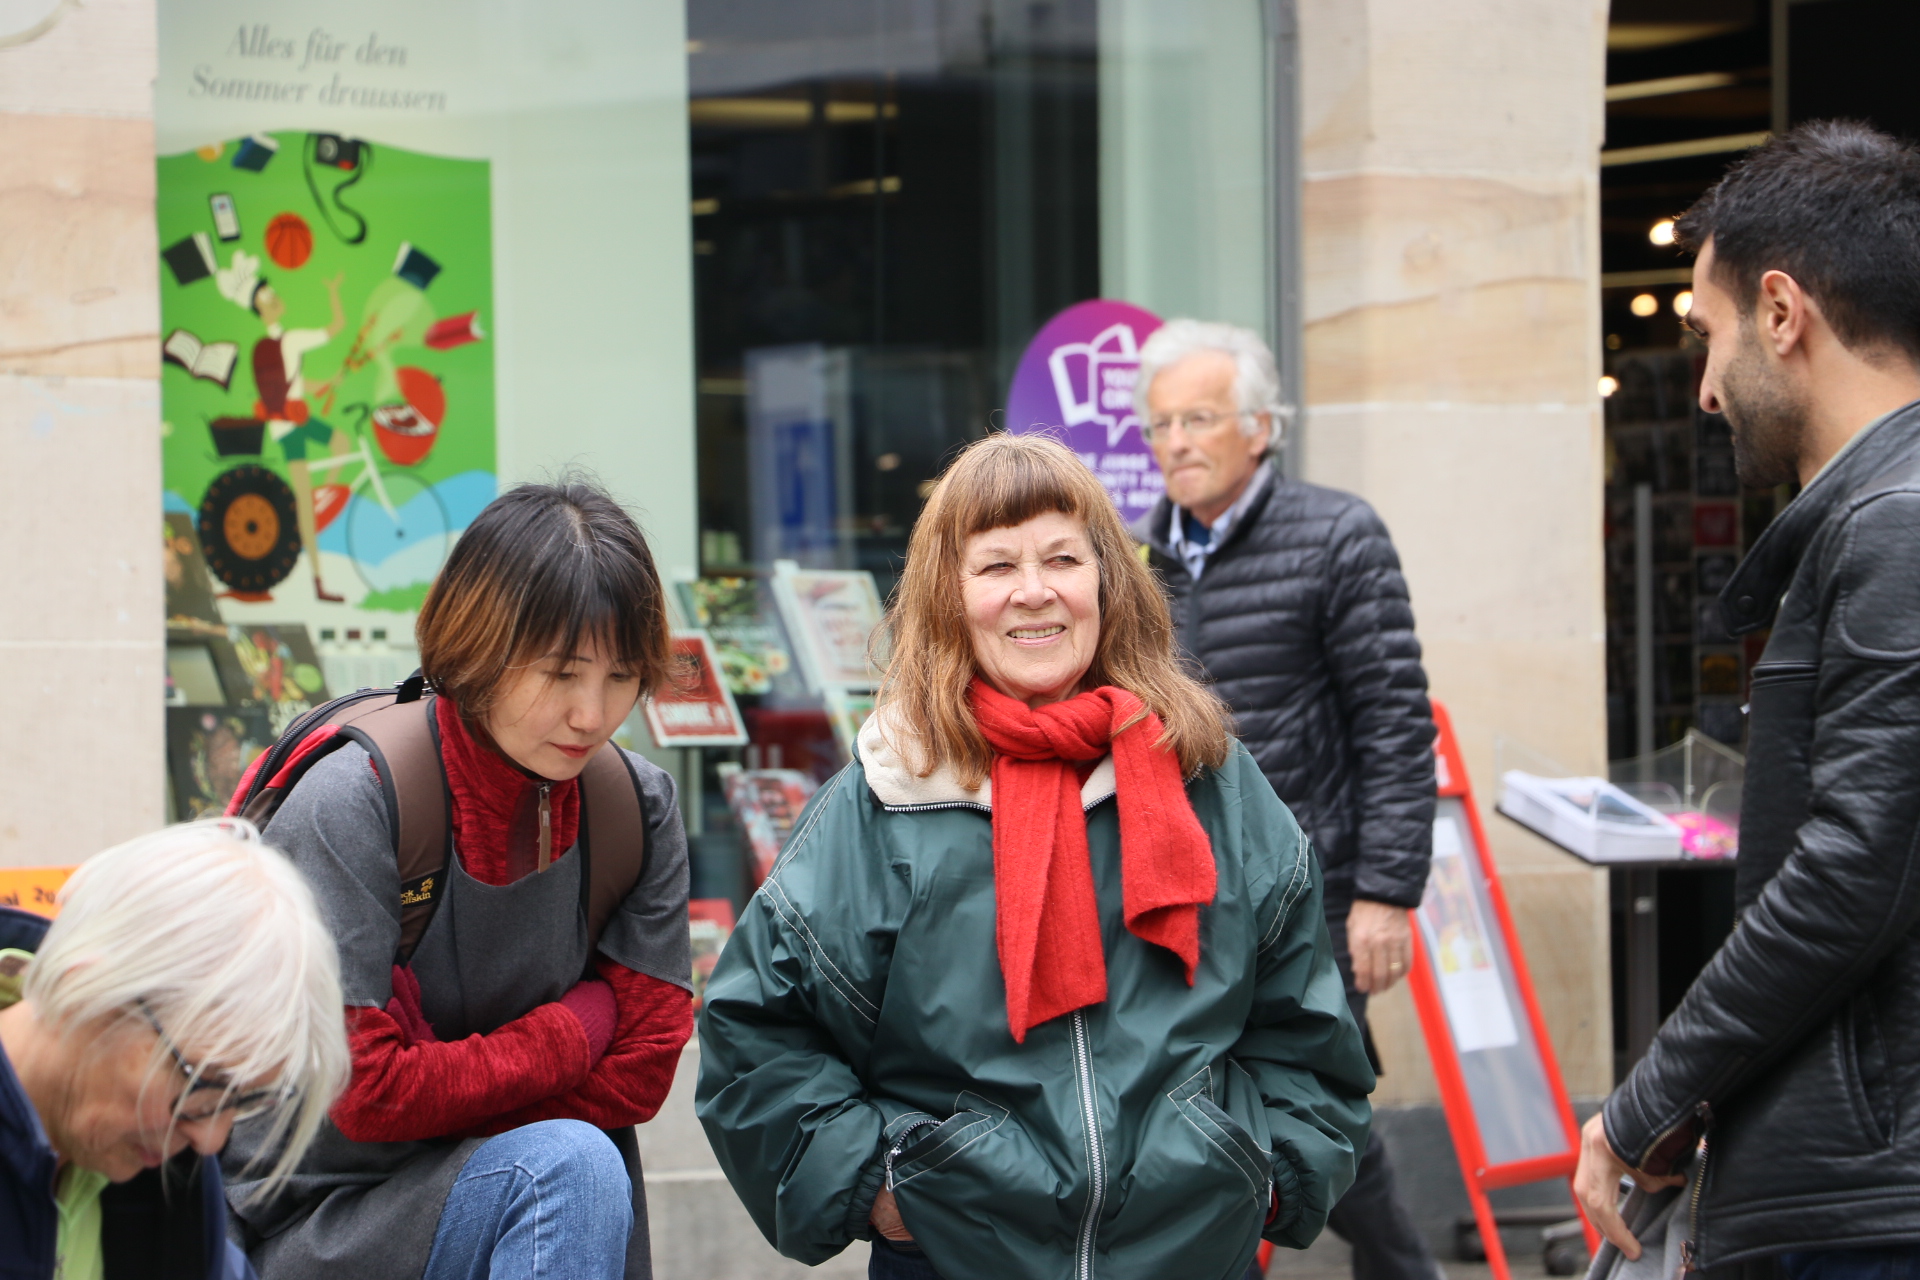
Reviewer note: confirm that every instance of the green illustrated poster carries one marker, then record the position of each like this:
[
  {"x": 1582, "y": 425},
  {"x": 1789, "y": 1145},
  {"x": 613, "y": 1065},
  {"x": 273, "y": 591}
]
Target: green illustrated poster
[{"x": 328, "y": 388}]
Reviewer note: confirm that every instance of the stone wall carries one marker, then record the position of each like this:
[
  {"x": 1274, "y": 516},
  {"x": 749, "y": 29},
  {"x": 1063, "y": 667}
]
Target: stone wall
[
  {"x": 1452, "y": 357},
  {"x": 82, "y": 760}
]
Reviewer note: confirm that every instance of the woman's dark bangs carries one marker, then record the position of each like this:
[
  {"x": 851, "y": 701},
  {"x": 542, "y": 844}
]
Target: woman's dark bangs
[{"x": 578, "y": 594}]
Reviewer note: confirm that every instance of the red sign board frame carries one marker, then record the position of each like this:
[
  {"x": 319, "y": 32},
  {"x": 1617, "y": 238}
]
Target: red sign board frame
[{"x": 1479, "y": 1174}]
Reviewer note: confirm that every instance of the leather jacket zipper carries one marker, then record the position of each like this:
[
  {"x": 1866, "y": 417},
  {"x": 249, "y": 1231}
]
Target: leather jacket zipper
[
  {"x": 1688, "y": 1246},
  {"x": 1096, "y": 1157},
  {"x": 546, "y": 828}
]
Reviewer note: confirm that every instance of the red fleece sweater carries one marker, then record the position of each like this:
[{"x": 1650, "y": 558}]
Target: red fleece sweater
[{"x": 537, "y": 1067}]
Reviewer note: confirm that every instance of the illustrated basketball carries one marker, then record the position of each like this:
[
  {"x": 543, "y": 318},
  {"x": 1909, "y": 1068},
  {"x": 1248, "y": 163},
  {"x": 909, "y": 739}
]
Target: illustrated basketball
[{"x": 289, "y": 240}]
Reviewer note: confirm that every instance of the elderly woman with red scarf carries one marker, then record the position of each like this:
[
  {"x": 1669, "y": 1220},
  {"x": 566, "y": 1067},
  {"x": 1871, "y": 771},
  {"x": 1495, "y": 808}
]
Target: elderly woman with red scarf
[{"x": 1040, "y": 986}]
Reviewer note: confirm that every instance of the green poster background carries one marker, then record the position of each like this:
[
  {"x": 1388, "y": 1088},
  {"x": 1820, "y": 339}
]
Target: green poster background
[{"x": 423, "y": 414}]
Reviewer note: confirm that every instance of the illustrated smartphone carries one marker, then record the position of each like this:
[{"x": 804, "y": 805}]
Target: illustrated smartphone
[{"x": 225, "y": 220}]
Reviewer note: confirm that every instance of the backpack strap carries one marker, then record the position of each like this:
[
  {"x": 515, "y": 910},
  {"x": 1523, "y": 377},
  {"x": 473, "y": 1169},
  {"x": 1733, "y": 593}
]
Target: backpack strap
[
  {"x": 613, "y": 835},
  {"x": 404, "y": 741}
]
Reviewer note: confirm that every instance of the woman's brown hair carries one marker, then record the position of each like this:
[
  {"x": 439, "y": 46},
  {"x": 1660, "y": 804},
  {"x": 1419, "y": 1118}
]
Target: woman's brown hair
[
  {"x": 998, "y": 482},
  {"x": 543, "y": 567}
]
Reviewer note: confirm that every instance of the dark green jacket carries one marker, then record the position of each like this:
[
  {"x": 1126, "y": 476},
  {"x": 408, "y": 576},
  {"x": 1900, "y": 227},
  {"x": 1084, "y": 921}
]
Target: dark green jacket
[{"x": 855, "y": 1030}]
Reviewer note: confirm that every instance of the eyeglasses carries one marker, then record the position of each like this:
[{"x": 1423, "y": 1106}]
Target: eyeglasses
[
  {"x": 1199, "y": 423},
  {"x": 244, "y": 1106}
]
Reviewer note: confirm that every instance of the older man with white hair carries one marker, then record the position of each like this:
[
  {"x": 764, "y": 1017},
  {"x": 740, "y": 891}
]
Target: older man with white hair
[
  {"x": 187, "y": 983},
  {"x": 1288, "y": 597}
]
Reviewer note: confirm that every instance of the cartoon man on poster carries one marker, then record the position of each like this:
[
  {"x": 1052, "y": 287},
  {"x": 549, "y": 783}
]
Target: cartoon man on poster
[{"x": 282, "y": 404}]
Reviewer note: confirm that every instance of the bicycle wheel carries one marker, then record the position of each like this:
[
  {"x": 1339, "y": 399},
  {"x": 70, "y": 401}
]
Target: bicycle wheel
[
  {"x": 249, "y": 529},
  {"x": 390, "y": 553}
]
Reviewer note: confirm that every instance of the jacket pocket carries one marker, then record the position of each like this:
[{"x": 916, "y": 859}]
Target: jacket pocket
[
  {"x": 977, "y": 1194},
  {"x": 1868, "y": 1078},
  {"x": 921, "y": 1143},
  {"x": 1193, "y": 1100}
]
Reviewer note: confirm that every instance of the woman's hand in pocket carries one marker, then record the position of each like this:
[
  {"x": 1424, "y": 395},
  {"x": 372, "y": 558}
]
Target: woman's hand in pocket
[{"x": 886, "y": 1218}]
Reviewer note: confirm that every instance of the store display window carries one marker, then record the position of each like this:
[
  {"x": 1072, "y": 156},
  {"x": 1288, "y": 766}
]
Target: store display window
[{"x": 889, "y": 201}]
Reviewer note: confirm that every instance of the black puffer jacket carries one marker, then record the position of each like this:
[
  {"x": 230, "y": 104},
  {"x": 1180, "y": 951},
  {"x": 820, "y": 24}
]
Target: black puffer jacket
[
  {"x": 1798, "y": 1048},
  {"x": 1302, "y": 623}
]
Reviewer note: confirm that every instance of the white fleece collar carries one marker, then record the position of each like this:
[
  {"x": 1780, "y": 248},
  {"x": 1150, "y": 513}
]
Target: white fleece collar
[{"x": 899, "y": 786}]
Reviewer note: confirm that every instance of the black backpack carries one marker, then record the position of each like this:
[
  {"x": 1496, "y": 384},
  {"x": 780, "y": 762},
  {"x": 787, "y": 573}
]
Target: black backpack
[{"x": 398, "y": 729}]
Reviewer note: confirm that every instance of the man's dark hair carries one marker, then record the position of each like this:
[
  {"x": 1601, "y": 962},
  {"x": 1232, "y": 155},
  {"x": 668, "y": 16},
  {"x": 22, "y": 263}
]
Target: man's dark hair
[{"x": 1836, "y": 205}]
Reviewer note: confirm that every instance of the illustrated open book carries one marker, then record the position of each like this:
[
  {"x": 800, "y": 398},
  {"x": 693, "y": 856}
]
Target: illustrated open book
[{"x": 213, "y": 361}]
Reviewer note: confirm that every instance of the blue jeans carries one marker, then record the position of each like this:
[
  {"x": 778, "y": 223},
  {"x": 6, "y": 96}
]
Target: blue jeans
[
  {"x": 1900, "y": 1262},
  {"x": 902, "y": 1261},
  {"x": 546, "y": 1201}
]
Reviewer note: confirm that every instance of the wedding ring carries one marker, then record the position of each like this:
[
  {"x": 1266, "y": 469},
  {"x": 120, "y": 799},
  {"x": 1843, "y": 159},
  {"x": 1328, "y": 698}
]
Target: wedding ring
[{"x": 1396, "y": 966}]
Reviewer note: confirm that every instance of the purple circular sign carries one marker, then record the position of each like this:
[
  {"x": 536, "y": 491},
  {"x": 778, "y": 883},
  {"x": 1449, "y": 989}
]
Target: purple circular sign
[{"x": 1076, "y": 382}]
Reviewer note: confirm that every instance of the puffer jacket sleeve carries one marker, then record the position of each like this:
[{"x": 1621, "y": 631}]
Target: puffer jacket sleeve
[
  {"x": 789, "y": 1014},
  {"x": 1848, "y": 892},
  {"x": 1301, "y": 1045},
  {"x": 1374, "y": 660}
]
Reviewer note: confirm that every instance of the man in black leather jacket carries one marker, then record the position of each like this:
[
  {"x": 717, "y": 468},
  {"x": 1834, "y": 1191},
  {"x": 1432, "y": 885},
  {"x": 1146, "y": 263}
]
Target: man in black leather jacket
[
  {"x": 1793, "y": 1063},
  {"x": 1288, "y": 598}
]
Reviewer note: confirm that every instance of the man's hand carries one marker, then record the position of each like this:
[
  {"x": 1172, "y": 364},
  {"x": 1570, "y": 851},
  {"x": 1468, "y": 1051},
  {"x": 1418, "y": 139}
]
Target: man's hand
[
  {"x": 1597, "y": 1183},
  {"x": 886, "y": 1218},
  {"x": 1381, "y": 943}
]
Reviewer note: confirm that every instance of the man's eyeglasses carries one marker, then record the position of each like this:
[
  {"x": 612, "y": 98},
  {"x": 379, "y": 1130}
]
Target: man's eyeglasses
[
  {"x": 1199, "y": 423},
  {"x": 244, "y": 1106}
]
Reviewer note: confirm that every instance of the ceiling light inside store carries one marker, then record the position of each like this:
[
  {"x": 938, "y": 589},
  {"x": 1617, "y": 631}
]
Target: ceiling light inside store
[
  {"x": 1661, "y": 233},
  {"x": 1644, "y": 305},
  {"x": 887, "y": 461},
  {"x": 1608, "y": 385},
  {"x": 1683, "y": 303},
  {"x": 1637, "y": 37}
]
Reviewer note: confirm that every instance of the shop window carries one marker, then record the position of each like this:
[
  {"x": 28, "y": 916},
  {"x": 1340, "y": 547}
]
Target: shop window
[{"x": 888, "y": 201}]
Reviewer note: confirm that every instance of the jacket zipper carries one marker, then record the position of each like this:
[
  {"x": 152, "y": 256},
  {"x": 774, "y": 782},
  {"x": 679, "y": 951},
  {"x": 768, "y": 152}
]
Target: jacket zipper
[
  {"x": 1085, "y": 807},
  {"x": 1687, "y": 1246},
  {"x": 941, "y": 804},
  {"x": 1096, "y": 1158},
  {"x": 546, "y": 828}
]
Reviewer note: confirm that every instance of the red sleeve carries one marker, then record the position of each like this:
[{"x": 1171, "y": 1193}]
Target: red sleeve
[
  {"x": 628, "y": 1084},
  {"x": 404, "y": 1090}
]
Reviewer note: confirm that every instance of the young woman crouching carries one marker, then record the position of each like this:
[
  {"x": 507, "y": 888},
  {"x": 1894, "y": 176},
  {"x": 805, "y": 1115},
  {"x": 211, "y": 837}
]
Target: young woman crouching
[{"x": 500, "y": 1059}]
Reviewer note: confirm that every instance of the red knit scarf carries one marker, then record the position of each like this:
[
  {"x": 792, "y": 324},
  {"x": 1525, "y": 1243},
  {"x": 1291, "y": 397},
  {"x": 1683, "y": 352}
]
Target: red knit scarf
[
  {"x": 496, "y": 805},
  {"x": 1048, "y": 920}
]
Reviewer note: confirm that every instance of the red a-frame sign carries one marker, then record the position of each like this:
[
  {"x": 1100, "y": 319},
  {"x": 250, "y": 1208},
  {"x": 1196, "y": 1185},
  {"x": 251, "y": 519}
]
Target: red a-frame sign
[{"x": 1505, "y": 1102}]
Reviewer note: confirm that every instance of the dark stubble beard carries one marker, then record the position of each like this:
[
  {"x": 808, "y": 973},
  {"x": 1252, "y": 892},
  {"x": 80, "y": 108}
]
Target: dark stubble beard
[{"x": 1768, "y": 417}]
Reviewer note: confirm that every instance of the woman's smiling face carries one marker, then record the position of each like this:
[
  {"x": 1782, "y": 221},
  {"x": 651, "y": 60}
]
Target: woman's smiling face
[{"x": 1032, "y": 598}]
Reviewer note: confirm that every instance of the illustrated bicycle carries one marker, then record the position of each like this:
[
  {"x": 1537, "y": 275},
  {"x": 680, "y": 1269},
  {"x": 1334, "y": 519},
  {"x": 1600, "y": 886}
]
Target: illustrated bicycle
[{"x": 249, "y": 528}]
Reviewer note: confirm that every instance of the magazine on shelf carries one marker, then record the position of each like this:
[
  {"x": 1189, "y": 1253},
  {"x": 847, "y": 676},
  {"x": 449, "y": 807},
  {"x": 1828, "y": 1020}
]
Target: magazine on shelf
[
  {"x": 709, "y": 925},
  {"x": 847, "y": 710},
  {"x": 766, "y": 803},
  {"x": 833, "y": 616},
  {"x": 695, "y": 709},
  {"x": 740, "y": 616}
]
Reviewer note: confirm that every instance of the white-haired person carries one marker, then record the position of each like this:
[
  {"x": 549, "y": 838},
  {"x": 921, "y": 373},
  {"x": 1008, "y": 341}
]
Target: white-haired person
[
  {"x": 1288, "y": 598},
  {"x": 187, "y": 983}
]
